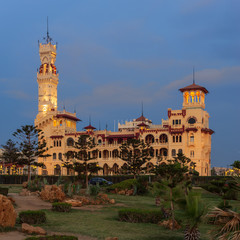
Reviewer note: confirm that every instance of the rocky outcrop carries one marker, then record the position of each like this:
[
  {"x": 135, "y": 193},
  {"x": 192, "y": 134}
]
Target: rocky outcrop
[
  {"x": 7, "y": 212},
  {"x": 127, "y": 192},
  {"x": 26, "y": 228},
  {"x": 74, "y": 203},
  {"x": 52, "y": 193}
]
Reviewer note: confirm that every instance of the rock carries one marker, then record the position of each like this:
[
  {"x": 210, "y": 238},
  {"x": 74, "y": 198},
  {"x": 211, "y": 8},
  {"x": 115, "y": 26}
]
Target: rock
[
  {"x": 25, "y": 184},
  {"x": 52, "y": 193},
  {"x": 112, "y": 201},
  {"x": 74, "y": 203},
  {"x": 111, "y": 238},
  {"x": 103, "y": 198},
  {"x": 7, "y": 212},
  {"x": 24, "y": 192},
  {"x": 129, "y": 192},
  {"x": 84, "y": 200},
  {"x": 170, "y": 224},
  {"x": 122, "y": 192},
  {"x": 12, "y": 200},
  {"x": 26, "y": 228}
]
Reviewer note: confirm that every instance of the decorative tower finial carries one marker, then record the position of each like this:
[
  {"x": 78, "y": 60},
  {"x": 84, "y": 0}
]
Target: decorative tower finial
[
  {"x": 48, "y": 39},
  {"x": 193, "y": 75}
]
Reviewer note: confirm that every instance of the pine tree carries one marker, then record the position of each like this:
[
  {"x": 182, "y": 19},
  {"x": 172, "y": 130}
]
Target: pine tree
[
  {"x": 31, "y": 145},
  {"x": 136, "y": 154},
  {"x": 82, "y": 158}
]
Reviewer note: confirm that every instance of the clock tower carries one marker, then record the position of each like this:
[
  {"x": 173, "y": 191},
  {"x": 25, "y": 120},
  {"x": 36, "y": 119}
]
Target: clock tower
[{"x": 47, "y": 78}]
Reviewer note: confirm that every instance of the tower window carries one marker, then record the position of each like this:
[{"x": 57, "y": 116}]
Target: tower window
[
  {"x": 192, "y": 121},
  {"x": 54, "y": 156},
  {"x": 60, "y": 156},
  {"x": 192, "y": 138},
  {"x": 191, "y": 153},
  {"x": 173, "y": 138}
]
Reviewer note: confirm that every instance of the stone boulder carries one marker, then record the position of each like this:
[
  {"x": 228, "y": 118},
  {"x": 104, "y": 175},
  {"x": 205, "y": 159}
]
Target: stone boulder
[
  {"x": 7, "y": 212},
  {"x": 74, "y": 203},
  {"x": 25, "y": 184},
  {"x": 25, "y": 192},
  {"x": 26, "y": 228},
  {"x": 52, "y": 193}
]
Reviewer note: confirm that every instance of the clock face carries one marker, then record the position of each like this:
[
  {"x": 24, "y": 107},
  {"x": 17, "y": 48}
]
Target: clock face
[{"x": 44, "y": 108}]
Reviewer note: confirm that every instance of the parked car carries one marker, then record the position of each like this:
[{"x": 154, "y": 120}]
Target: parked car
[{"x": 99, "y": 180}]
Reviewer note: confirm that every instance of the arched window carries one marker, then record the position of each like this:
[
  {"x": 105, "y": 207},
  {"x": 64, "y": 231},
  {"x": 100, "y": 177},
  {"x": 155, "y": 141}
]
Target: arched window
[
  {"x": 115, "y": 153},
  {"x": 54, "y": 143},
  {"x": 105, "y": 154},
  {"x": 173, "y": 152},
  {"x": 163, "y": 138},
  {"x": 192, "y": 138},
  {"x": 105, "y": 169},
  {"x": 163, "y": 152},
  {"x": 115, "y": 168},
  {"x": 100, "y": 154},
  {"x": 70, "y": 142},
  {"x": 149, "y": 139},
  {"x": 60, "y": 156},
  {"x": 180, "y": 151},
  {"x": 54, "y": 156},
  {"x": 60, "y": 143},
  {"x": 57, "y": 170},
  {"x": 180, "y": 138},
  {"x": 99, "y": 141},
  {"x": 192, "y": 120},
  {"x": 173, "y": 138}
]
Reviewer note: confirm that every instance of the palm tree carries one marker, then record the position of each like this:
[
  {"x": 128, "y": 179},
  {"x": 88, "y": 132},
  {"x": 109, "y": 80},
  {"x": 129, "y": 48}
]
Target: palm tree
[
  {"x": 194, "y": 210},
  {"x": 228, "y": 223}
]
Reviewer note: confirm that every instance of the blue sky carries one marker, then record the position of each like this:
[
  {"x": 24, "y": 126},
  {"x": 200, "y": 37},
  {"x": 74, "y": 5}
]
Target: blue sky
[{"x": 112, "y": 55}]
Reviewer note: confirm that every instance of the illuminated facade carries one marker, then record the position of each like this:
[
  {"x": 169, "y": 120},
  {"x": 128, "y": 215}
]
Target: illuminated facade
[{"x": 186, "y": 130}]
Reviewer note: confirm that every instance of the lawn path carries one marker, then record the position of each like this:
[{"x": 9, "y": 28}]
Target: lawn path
[{"x": 32, "y": 203}]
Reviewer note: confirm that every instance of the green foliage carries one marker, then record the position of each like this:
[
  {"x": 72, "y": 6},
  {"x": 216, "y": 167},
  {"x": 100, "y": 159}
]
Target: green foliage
[
  {"x": 93, "y": 190},
  {"x": 4, "y": 191},
  {"x": 6, "y": 229},
  {"x": 31, "y": 145},
  {"x": 126, "y": 184},
  {"x": 53, "y": 237},
  {"x": 140, "y": 216},
  {"x": 141, "y": 186},
  {"x": 61, "y": 207},
  {"x": 224, "y": 205},
  {"x": 35, "y": 185},
  {"x": 72, "y": 188},
  {"x": 32, "y": 217},
  {"x": 135, "y": 153},
  {"x": 10, "y": 152}
]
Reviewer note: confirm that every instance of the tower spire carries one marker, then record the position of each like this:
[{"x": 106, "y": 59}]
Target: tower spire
[
  {"x": 142, "y": 108},
  {"x": 193, "y": 75},
  {"x": 48, "y": 38}
]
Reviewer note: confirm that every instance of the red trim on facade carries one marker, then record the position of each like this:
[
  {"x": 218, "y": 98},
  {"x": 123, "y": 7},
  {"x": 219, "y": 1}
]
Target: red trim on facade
[
  {"x": 191, "y": 129},
  {"x": 207, "y": 130},
  {"x": 184, "y": 112},
  {"x": 68, "y": 117},
  {"x": 56, "y": 136},
  {"x": 121, "y": 136},
  {"x": 194, "y": 87},
  {"x": 169, "y": 113},
  {"x": 90, "y": 127}
]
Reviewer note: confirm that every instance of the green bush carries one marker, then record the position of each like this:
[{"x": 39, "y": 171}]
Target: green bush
[
  {"x": 93, "y": 190},
  {"x": 140, "y": 216},
  {"x": 32, "y": 217},
  {"x": 61, "y": 207},
  {"x": 4, "y": 191},
  {"x": 224, "y": 205},
  {"x": 141, "y": 185},
  {"x": 54, "y": 237},
  {"x": 126, "y": 184}
]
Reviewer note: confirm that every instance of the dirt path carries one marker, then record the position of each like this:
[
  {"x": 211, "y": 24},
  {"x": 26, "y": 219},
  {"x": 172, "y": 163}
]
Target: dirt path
[{"x": 32, "y": 203}]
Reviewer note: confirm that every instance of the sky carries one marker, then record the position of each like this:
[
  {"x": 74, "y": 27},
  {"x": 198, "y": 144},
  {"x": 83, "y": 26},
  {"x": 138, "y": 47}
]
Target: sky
[{"x": 113, "y": 55}]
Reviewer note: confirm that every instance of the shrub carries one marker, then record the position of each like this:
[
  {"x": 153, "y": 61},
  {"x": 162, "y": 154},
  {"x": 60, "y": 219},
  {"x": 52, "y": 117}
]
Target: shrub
[
  {"x": 4, "y": 191},
  {"x": 32, "y": 217},
  {"x": 126, "y": 184},
  {"x": 141, "y": 185},
  {"x": 54, "y": 237},
  {"x": 140, "y": 216},
  {"x": 224, "y": 205},
  {"x": 61, "y": 207},
  {"x": 93, "y": 190}
]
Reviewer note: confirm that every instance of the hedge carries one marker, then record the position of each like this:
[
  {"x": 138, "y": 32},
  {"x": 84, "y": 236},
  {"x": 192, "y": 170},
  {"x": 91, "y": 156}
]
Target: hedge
[
  {"x": 54, "y": 237},
  {"x": 32, "y": 217},
  {"x": 61, "y": 207},
  {"x": 140, "y": 216},
  {"x": 126, "y": 184},
  {"x": 4, "y": 191}
]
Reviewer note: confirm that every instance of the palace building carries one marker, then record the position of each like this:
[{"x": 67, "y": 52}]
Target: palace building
[{"x": 185, "y": 131}]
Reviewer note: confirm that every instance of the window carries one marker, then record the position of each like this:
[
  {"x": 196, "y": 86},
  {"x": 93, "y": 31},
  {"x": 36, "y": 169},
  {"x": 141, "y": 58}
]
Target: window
[
  {"x": 70, "y": 142},
  {"x": 173, "y": 138},
  {"x": 173, "y": 122},
  {"x": 180, "y": 151},
  {"x": 173, "y": 152},
  {"x": 54, "y": 143},
  {"x": 176, "y": 138},
  {"x": 192, "y": 120},
  {"x": 176, "y": 122},
  {"x": 54, "y": 155},
  {"x": 99, "y": 142},
  {"x": 192, "y": 139},
  {"x": 100, "y": 154},
  {"x": 191, "y": 153},
  {"x": 180, "y": 138},
  {"x": 179, "y": 121},
  {"x": 60, "y": 156},
  {"x": 60, "y": 143}
]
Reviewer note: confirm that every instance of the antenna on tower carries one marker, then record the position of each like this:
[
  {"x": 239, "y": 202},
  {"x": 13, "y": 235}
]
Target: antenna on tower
[
  {"x": 193, "y": 75},
  {"x": 142, "y": 108},
  {"x": 90, "y": 119},
  {"x": 48, "y": 39}
]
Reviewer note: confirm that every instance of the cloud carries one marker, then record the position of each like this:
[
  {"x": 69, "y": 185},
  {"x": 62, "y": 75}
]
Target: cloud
[{"x": 18, "y": 94}]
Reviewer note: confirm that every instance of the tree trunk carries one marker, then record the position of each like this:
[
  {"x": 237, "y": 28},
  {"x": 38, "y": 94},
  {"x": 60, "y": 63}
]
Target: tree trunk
[
  {"x": 86, "y": 173},
  {"x": 29, "y": 173},
  {"x": 172, "y": 207}
]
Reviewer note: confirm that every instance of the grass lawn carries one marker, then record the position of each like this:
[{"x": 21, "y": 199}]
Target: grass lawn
[
  {"x": 104, "y": 222},
  {"x": 12, "y": 188}
]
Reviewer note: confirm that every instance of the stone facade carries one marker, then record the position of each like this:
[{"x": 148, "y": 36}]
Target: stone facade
[{"x": 186, "y": 130}]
